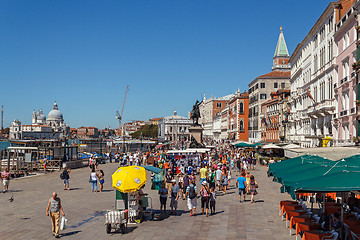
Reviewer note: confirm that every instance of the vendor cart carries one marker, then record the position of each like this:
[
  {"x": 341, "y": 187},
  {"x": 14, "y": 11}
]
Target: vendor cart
[
  {"x": 131, "y": 204},
  {"x": 116, "y": 220}
]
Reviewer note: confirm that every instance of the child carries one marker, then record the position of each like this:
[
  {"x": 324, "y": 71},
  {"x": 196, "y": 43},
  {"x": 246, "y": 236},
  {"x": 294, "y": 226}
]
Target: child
[{"x": 212, "y": 200}]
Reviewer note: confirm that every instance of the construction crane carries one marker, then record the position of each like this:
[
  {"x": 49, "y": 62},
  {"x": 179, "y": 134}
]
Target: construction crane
[{"x": 119, "y": 116}]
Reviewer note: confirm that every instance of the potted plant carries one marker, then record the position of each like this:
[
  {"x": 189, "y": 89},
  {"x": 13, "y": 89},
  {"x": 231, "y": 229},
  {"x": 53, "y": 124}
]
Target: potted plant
[{"x": 356, "y": 140}]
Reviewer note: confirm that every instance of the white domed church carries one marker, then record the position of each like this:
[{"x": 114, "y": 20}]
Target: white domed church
[{"x": 53, "y": 127}]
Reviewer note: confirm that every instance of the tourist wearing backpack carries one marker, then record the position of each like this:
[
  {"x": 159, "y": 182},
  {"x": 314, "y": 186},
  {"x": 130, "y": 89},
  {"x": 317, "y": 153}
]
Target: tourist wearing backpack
[
  {"x": 65, "y": 175},
  {"x": 191, "y": 194}
]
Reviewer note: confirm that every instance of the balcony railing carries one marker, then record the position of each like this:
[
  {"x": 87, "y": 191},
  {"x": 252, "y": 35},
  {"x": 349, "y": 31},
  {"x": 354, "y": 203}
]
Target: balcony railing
[
  {"x": 353, "y": 74},
  {"x": 353, "y": 110},
  {"x": 343, "y": 113},
  {"x": 343, "y": 80}
]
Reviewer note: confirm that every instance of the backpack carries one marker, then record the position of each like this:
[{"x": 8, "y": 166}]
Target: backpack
[
  {"x": 192, "y": 193},
  {"x": 212, "y": 177},
  {"x": 62, "y": 176}
]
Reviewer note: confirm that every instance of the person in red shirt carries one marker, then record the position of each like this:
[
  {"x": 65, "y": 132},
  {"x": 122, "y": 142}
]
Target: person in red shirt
[{"x": 166, "y": 167}]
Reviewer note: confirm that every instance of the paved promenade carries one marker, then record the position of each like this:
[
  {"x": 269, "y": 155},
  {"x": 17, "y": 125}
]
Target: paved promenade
[{"x": 24, "y": 218}]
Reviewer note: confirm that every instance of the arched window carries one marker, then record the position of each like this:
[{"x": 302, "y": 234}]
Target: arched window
[
  {"x": 241, "y": 110},
  {"x": 241, "y": 125}
]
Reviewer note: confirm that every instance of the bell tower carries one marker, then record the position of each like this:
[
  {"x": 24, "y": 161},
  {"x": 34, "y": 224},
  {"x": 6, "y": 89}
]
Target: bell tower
[{"x": 281, "y": 55}]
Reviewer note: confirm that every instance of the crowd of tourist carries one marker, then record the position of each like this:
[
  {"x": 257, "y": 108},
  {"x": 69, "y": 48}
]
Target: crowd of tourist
[{"x": 215, "y": 174}]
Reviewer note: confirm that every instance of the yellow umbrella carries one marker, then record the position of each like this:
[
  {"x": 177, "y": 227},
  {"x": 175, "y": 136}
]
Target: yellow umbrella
[{"x": 129, "y": 179}]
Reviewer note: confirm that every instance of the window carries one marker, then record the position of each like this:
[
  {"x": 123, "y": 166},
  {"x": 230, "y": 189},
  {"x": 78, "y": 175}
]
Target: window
[
  {"x": 257, "y": 86},
  {"x": 331, "y": 86},
  {"x": 241, "y": 108},
  {"x": 275, "y": 85},
  {"x": 282, "y": 85},
  {"x": 241, "y": 125},
  {"x": 331, "y": 24},
  {"x": 218, "y": 105},
  {"x": 315, "y": 63},
  {"x": 263, "y": 96}
]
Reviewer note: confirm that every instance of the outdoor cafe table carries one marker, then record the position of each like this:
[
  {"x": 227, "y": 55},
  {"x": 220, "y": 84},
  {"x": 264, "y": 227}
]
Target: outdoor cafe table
[
  {"x": 332, "y": 209},
  {"x": 306, "y": 226},
  {"x": 294, "y": 213},
  {"x": 290, "y": 207},
  {"x": 282, "y": 203},
  {"x": 315, "y": 235},
  {"x": 297, "y": 219},
  {"x": 328, "y": 204}
]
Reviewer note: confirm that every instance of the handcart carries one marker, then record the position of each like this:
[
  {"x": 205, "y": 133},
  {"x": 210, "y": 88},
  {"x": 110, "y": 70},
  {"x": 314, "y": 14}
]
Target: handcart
[{"x": 116, "y": 220}]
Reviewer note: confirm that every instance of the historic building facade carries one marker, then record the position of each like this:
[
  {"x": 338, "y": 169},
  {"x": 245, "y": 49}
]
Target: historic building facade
[
  {"x": 238, "y": 114},
  {"x": 274, "y": 117},
  {"x": 53, "y": 127},
  {"x": 345, "y": 37},
  {"x": 314, "y": 74},
  {"x": 261, "y": 87},
  {"x": 209, "y": 109},
  {"x": 174, "y": 128}
]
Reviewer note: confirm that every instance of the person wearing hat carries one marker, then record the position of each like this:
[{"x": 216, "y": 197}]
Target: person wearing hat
[
  {"x": 175, "y": 193},
  {"x": 205, "y": 197}
]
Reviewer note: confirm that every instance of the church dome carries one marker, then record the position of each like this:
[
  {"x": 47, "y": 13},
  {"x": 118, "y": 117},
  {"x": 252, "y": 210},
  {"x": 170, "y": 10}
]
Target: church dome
[
  {"x": 55, "y": 114},
  {"x": 41, "y": 116}
]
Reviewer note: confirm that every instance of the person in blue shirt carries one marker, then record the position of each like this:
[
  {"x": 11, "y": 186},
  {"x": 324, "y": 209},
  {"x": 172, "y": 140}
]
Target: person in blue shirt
[{"x": 241, "y": 183}]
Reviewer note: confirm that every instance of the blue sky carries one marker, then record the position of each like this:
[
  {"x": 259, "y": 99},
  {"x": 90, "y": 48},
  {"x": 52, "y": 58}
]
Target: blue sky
[{"x": 83, "y": 53}]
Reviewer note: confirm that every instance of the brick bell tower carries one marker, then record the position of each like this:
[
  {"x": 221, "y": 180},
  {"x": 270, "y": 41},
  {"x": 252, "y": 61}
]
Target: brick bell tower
[{"x": 281, "y": 55}]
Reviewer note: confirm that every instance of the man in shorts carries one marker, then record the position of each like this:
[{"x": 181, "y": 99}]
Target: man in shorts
[
  {"x": 241, "y": 183},
  {"x": 5, "y": 177},
  {"x": 191, "y": 194}
]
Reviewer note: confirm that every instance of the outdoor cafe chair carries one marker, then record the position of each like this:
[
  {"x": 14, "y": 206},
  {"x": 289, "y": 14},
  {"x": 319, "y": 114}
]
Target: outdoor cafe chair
[{"x": 334, "y": 236}]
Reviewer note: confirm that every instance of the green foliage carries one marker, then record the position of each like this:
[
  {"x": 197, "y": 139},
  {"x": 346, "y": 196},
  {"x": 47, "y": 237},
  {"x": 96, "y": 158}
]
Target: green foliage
[{"x": 146, "y": 131}]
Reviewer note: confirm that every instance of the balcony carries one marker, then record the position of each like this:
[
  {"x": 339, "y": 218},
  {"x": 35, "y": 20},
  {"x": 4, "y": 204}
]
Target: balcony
[
  {"x": 343, "y": 80},
  {"x": 353, "y": 75},
  {"x": 320, "y": 109},
  {"x": 343, "y": 113}
]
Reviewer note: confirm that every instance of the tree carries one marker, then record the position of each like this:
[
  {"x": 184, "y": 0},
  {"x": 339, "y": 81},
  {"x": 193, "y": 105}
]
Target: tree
[{"x": 146, "y": 131}]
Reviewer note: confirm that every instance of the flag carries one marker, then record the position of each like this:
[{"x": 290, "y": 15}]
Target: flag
[
  {"x": 308, "y": 92},
  {"x": 265, "y": 122},
  {"x": 269, "y": 120}
]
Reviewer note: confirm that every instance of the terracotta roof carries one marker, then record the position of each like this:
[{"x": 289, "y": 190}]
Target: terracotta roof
[{"x": 275, "y": 74}]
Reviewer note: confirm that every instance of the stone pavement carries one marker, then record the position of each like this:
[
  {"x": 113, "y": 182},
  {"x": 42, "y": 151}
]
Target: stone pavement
[{"x": 24, "y": 218}]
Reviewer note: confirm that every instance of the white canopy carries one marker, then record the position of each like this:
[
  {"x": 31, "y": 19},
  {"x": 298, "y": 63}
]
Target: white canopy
[
  {"x": 271, "y": 146},
  {"x": 290, "y": 146}
]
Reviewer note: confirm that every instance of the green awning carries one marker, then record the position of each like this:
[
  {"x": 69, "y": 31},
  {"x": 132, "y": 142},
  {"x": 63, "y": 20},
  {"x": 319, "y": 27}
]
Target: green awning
[
  {"x": 344, "y": 181},
  {"x": 294, "y": 179},
  {"x": 152, "y": 169},
  {"x": 255, "y": 144},
  {"x": 242, "y": 144},
  {"x": 295, "y": 162},
  {"x": 355, "y": 160}
]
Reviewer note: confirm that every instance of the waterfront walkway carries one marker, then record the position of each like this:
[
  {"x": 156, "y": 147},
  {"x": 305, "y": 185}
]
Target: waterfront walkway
[{"x": 24, "y": 217}]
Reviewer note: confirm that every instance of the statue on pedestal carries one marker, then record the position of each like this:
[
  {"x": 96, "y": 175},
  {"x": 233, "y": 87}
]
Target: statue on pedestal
[{"x": 195, "y": 114}]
